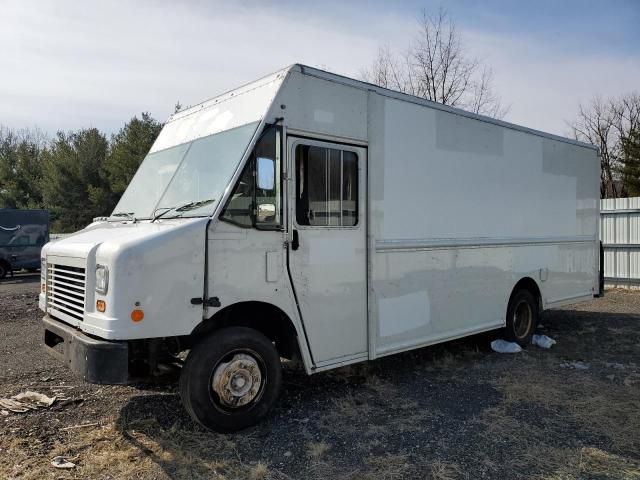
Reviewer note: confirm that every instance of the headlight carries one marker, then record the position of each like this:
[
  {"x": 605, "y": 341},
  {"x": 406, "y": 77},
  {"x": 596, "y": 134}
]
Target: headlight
[{"x": 102, "y": 279}]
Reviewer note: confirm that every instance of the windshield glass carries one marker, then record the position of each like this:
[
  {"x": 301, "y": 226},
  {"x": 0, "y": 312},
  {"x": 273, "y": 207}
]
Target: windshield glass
[{"x": 192, "y": 173}]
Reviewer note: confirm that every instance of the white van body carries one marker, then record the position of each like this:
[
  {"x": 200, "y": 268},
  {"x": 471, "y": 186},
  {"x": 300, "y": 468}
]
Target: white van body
[{"x": 453, "y": 209}]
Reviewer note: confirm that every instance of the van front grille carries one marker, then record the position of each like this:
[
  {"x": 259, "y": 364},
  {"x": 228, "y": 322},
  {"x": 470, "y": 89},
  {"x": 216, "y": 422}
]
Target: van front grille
[{"x": 66, "y": 291}]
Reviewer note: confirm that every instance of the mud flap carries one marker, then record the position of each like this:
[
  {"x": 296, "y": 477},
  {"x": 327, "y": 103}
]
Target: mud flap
[{"x": 601, "y": 273}]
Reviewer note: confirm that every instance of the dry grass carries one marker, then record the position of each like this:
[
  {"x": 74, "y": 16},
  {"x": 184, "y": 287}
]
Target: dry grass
[
  {"x": 599, "y": 406},
  {"x": 445, "y": 471},
  {"x": 386, "y": 467},
  {"x": 316, "y": 450},
  {"x": 381, "y": 387},
  {"x": 352, "y": 406},
  {"x": 348, "y": 413},
  {"x": 558, "y": 463},
  {"x": 142, "y": 450},
  {"x": 598, "y": 463},
  {"x": 259, "y": 471}
]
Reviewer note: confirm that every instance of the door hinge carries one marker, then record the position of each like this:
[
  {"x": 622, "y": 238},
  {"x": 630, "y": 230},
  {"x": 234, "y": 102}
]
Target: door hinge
[{"x": 207, "y": 302}]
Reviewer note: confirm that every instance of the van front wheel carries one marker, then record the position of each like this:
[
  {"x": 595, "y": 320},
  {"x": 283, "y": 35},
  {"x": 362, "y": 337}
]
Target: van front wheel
[{"x": 231, "y": 379}]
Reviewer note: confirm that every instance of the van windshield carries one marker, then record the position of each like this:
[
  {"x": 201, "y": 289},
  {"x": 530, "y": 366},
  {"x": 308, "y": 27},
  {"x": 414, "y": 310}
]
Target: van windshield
[{"x": 193, "y": 174}]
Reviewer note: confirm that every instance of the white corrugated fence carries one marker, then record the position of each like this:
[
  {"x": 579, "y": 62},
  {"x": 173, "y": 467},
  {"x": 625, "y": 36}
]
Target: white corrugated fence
[{"x": 620, "y": 235}]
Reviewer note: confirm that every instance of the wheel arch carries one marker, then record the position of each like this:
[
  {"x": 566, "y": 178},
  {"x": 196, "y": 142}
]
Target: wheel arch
[
  {"x": 6, "y": 264},
  {"x": 527, "y": 283},
  {"x": 264, "y": 317}
]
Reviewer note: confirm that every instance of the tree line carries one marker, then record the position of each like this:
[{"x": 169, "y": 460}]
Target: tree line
[
  {"x": 76, "y": 175},
  {"x": 80, "y": 175}
]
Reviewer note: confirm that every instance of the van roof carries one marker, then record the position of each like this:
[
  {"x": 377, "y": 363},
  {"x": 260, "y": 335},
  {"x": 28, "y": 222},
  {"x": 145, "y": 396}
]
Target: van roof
[
  {"x": 334, "y": 77},
  {"x": 386, "y": 92}
]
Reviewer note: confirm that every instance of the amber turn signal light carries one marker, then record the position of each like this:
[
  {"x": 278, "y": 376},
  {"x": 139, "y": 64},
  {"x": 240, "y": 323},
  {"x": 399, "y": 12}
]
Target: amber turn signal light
[
  {"x": 137, "y": 315},
  {"x": 101, "y": 305}
]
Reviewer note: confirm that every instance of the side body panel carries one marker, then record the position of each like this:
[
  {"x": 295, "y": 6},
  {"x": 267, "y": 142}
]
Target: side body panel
[
  {"x": 319, "y": 108},
  {"x": 250, "y": 265},
  {"x": 460, "y": 210}
]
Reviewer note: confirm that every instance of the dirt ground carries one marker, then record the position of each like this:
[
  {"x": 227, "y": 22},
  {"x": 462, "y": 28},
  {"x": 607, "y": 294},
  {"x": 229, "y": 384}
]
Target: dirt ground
[{"x": 454, "y": 411}]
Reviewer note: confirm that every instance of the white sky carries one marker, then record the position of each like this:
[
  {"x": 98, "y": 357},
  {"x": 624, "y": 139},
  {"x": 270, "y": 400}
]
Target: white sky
[{"x": 72, "y": 64}]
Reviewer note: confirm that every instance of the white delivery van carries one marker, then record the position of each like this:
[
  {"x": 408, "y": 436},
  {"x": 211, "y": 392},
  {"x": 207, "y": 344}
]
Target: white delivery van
[{"x": 312, "y": 216}]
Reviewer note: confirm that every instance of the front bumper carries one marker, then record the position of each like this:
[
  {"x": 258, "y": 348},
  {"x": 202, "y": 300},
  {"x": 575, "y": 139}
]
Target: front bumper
[{"x": 96, "y": 361}]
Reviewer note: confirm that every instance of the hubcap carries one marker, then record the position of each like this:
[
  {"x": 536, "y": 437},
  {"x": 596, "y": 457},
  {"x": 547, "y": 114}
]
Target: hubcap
[
  {"x": 237, "y": 382},
  {"x": 522, "y": 319}
]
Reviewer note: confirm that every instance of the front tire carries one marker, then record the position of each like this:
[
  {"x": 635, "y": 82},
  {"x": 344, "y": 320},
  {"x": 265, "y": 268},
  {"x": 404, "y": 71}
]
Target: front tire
[
  {"x": 522, "y": 317},
  {"x": 231, "y": 379}
]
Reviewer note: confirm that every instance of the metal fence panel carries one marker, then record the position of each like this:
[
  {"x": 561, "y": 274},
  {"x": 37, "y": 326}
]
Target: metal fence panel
[{"x": 620, "y": 235}]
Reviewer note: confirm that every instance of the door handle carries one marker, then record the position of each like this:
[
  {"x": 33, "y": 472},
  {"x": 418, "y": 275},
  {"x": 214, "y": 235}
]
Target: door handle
[{"x": 295, "y": 241}]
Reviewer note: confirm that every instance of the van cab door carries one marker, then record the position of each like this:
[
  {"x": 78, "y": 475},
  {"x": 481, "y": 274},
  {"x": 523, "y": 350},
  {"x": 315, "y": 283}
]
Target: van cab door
[{"x": 327, "y": 247}]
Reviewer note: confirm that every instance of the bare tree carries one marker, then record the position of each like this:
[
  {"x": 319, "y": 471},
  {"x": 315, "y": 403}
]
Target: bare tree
[
  {"x": 483, "y": 98},
  {"x": 595, "y": 125},
  {"x": 390, "y": 71},
  {"x": 605, "y": 124},
  {"x": 436, "y": 67}
]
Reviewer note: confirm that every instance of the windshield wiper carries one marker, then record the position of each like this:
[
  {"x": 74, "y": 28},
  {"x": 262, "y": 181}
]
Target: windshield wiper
[
  {"x": 129, "y": 215},
  {"x": 182, "y": 208},
  {"x": 166, "y": 209}
]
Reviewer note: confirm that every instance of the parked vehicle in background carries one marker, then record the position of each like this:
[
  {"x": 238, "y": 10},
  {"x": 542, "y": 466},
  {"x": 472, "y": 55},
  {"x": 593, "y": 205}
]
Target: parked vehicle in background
[
  {"x": 315, "y": 217},
  {"x": 23, "y": 233}
]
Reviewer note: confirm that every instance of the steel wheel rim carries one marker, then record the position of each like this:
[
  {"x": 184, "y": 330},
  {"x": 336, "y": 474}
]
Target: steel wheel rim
[
  {"x": 522, "y": 319},
  {"x": 238, "y": 380}
]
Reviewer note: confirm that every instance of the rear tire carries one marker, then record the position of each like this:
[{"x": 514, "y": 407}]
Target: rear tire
[
  {"x": 522, "y": 317},
  {"x": 231, "y": 379},
  {"x": 4, "y": 269}
]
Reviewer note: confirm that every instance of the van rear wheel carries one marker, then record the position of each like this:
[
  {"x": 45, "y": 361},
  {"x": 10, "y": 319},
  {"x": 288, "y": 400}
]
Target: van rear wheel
[
  {"x": 231, "y": 379},
  {"x": 522, "y": 317},
  {"x": 3, "y": 269}
]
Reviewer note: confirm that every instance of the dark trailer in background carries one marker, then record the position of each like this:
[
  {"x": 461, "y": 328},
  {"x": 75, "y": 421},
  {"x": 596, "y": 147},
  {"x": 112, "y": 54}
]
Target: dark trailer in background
[{"x": 22, "y": 235}]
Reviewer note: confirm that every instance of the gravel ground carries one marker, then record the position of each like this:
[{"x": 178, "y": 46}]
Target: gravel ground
[{"x": 452, "y": 411}]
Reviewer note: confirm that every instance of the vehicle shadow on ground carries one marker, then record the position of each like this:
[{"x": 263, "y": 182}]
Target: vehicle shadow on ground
[
  {"x": 309, "y": 408},
  {"x": 396, "y": 416},
  {"x": 20, "y": 278}
]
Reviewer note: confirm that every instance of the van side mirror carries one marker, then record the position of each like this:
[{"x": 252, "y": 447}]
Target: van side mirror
[
  {"x": 265, "y": 173},
  {"x": 266, "y": 212}
]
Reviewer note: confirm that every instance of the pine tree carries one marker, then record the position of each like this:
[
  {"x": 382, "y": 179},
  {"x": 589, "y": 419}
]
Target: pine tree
[
  {"x": 73, "y": 187},
  {"x": 21, "y": 168},
  {"x": 631, "y": 163},
  {"x": 128, "y": 148}
]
